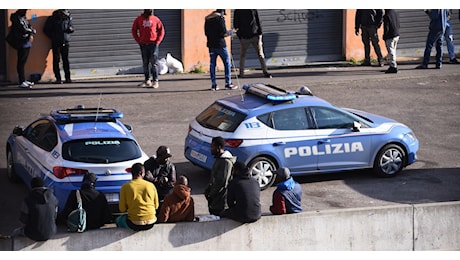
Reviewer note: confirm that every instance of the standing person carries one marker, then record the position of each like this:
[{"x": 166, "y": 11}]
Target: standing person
[
  {"x": 221, "y": 174},
  {"x": 287, "y": 198},
  {"x": 247, "y": 25},
  {"x": 179, "y": 205},
  {"x": 391, "y": 37},
  {"x": 94, "y": 202},
  {"x": 148, "y": 32},
  {"x": 139, "y": 199},
  {"x": 216, "y": 31},
  {"x": 369, "y": 21},
  {"x": 161, "y": 171},
  {"x": 438, "y": 24},
  {"x": 243, "y": 196},
  {"x": 23, "y": 33},
  {"x": 449, "y": 36},
  {"x": 58, "y": 28},
  {"x": 39, "y": 212}
]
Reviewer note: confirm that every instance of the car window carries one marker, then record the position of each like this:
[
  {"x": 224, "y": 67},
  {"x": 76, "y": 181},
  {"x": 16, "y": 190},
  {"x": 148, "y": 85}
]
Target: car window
[
  {"x": 329, "y": 118},
  {"x": 219, "y": 117},
  {"x": 109, "y": 150},
  {"x": 290, "y": 119},
  {"x": 43, "y": 134}
]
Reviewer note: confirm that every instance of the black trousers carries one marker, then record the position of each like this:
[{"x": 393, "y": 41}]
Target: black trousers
[
  {"x": 23, "y": 54},
  {"x": 61, "y": 51}
]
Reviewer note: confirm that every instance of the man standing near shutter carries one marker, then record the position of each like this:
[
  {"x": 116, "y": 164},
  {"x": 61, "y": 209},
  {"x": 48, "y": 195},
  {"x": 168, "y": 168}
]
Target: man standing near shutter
[{"x": 148, "y": 32}]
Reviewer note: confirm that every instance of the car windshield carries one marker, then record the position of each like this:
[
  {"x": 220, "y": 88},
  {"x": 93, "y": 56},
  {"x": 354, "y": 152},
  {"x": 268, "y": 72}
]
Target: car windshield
[
  {"x": 109, "y": 150},
  {"x": 219, "y": 117}
]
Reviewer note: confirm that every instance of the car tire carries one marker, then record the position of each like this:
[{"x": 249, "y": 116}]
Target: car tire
[
  {"x": 263, "y": 170},
  {"x": 10, "y": 171},
  {"x": 389, "y": 161}
]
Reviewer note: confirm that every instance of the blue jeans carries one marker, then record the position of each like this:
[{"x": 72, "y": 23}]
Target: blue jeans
[
  {"x": 434, "y": 37},
  {"x": 149, "y": 54},
  {"x": 223, "y": 53},
  {"x": 449, "y": 37}
]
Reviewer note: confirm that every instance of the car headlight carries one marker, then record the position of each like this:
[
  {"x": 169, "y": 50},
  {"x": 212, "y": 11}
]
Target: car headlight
[{"x": 411, "y": 136}]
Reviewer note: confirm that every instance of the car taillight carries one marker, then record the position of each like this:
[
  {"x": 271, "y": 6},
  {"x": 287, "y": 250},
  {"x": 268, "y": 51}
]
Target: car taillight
[
  {"x": 128, "y": 169},
  {"x": 189, "y": 128},
  {"x": 233, "y": 142},
  {"x": 62, "y": 172}
]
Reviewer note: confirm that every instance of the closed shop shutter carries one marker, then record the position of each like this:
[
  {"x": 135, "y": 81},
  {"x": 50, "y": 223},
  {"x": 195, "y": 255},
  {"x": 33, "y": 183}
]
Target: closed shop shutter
[
  {"x": 296, "y": 37},
  {"x": 103, "y": 45}
]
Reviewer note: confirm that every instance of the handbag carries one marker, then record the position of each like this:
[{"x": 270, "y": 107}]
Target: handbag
[{"x": 76, "y": 221}]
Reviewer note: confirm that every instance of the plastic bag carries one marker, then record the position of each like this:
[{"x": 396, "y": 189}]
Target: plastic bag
[
  {"x": 174, "y": 65},
  {"x": 162, "y": 67}
]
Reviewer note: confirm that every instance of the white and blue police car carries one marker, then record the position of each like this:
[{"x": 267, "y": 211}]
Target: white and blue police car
[
  {"x": 268, "y": 127},
  {"x": 66, "y": 144}
]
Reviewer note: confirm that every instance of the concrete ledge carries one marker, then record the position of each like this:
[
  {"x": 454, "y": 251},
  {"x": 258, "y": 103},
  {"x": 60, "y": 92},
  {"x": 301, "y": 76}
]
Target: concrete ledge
[{"x": 395, "y": 228}]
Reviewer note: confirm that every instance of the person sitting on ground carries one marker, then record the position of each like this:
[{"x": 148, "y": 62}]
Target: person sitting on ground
[
  {"x": 178, "y": 205},
  {"x": 287, "y": 198},
  {"x": 243, "y": 196},
  {"x": 94, "y": 203},
  {"x": 139, "y": 199},
  {"x": 39, "y": 212}
]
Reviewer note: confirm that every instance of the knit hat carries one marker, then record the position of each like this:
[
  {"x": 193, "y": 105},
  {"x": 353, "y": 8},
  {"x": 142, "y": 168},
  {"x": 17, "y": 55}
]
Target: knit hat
[
  {"x": 89, "y": 178},
  {"x": 284, "y": 173},
  {"x": 37, "y": 182}
]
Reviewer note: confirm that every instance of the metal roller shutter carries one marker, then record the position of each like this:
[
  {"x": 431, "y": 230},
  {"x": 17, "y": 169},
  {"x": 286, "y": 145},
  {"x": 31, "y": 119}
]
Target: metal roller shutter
[
  {"x": 102, "y": 43},
  {"x": 296, "y": 37}
]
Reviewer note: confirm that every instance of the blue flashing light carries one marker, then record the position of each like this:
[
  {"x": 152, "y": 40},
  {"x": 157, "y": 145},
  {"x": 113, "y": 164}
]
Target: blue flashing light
[
  {"x": 86, "y": 114},
  {"x": 269, "y": 92}
]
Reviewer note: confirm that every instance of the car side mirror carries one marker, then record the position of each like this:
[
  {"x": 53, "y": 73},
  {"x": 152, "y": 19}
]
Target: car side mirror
[
  {"x": 18, "y": 130},
  {"x": 356, "y": 126},
  {"x": 129, "y": 127}
]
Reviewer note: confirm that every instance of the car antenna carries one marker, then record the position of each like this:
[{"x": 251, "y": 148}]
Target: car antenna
[{"x": 97, "y": 110}]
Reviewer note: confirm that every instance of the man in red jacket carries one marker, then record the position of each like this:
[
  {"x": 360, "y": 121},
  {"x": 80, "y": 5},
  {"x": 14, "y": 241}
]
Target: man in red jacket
[{"x": 148, "y": 32}]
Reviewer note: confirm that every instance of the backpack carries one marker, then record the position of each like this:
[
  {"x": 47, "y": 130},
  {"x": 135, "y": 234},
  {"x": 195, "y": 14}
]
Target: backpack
[
  {"x": 76, "y": 221},
  {"x": 11, "y": 39}
]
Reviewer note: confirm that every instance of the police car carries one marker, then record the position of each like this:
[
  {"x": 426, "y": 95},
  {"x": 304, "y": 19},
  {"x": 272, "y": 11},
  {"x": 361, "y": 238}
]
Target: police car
[
  {"x": 66, "y": 144},
  {"x": 268, "y": 127}
]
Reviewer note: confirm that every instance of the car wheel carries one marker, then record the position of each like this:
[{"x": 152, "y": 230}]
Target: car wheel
[
  {"x": 389, "y": 161},
  {"x": 11, "y": 173},
  {"x": 263, "y": 170}
]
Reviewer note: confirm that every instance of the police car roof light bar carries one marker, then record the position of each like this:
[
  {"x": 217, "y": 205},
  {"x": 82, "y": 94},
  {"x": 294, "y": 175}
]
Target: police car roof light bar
[
  {"x": 269, "y": 92},
  {"x": 84, "y": 114}
]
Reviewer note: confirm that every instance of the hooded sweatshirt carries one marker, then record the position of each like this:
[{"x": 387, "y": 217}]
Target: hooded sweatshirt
[
  {"x": 215, "y": 30},
  {"x": 39, "y": 214},
  {"x": 177, "y": 206},
  {"x": 148, "y": 30},
  {"x": 22, "y": 29},
  {"x": 287, "y": 198}
]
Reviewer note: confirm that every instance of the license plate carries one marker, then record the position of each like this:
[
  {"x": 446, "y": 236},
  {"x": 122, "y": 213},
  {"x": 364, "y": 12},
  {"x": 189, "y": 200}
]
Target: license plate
[
  {"x": 199, "y": 156},
  {"x": 112, "y": 197}
]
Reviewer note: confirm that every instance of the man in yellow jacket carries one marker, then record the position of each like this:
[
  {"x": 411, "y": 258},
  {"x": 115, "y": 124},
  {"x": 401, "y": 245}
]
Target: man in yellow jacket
[{"x": 139, "y": 199}]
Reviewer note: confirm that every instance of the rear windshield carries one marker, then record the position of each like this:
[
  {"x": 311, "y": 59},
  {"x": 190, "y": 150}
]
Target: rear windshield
[
  {"x": 101, "y": 150},
  {"x": 218, "y": 117}
]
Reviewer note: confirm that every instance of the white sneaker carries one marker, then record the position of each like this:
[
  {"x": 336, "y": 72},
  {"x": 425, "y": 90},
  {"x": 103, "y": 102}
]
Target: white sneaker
[
  {"x": 155, "y": 85},
  {"x": 25, "y": 85},
  {"x": 29, "y": 83},
  {"x": 146, "y": 84}
]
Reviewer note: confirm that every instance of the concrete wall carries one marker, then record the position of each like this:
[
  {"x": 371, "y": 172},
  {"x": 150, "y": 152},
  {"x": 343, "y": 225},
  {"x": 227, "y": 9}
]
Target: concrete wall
[{"x": 393, "y": 228}]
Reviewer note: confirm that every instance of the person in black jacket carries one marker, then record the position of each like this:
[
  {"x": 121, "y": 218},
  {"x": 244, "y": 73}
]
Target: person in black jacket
[
  {"x": 247, "y": 25},
  {"x": 243, "y": 197},
  {"x": 58, "y": 28},
  {"x": 94, "y": 202},
  {"x": 391, "y": 37},
  {"x": 23, "y": 34},
  {"x": 216, "y": 31},
  {"x": 39, "y": 212},
  {"x": 369, "y": 20}
]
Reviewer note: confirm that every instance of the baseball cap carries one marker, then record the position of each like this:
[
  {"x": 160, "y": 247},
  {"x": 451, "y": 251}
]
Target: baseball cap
[{"x": 163, "y": 151}]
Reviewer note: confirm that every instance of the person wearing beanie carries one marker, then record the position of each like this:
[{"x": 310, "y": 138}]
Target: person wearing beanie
[
  {"x": 39, "y": 212},
  {"x": 287, "y": 198},
  {"x": 94, "y": 202},
  {"x": 243, "y": 197}
]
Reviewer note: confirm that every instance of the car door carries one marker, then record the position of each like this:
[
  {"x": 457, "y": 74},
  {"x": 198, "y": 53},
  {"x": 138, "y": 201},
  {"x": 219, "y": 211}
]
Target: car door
[
  {"x": 292, "y": 133},
  {"x": 338, "y": 146}
]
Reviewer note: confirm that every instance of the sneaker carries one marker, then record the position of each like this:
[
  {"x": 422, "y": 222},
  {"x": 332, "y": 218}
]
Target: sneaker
[
  {"x": 155, "y": 85},
  {"x": 422, "y": 66},
  {"x": 25, "y": 85},
  {"x": 391, "y": 70},
  {"x": 268, "y": 75},
  {"x": 230, "y": 87},
  {"x": 453, "y": 61},
  {"x": 214, "y": 88},
  {"x": 29, "y": 83},
  {"x": 146, "y": 84},
  {"x": 438, "y": 66}
]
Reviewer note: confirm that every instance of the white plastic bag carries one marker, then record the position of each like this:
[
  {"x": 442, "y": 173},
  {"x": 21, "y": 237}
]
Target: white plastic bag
[
  {"x": 162, "y": 67},
  {"x": 174, "y": 65}
]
